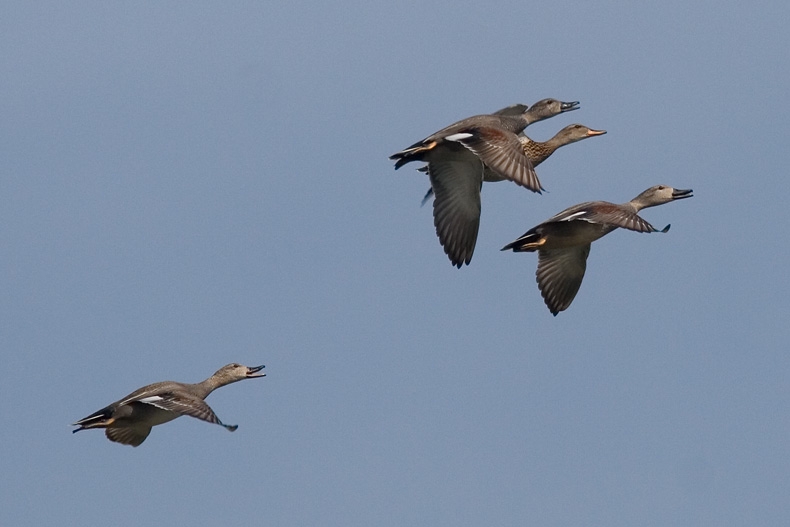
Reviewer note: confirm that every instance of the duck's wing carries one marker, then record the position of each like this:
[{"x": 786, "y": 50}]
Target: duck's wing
[
  {"x": 182, "y": 404},
  {"x": 502, "y": 152},
  {"x": 605, "y": 213},
  {"x": 133, "y": 435},
  {"x": 456, "y": 180},
  {"x": 514, "y": 110},
  {"x": 420, "y": 150},
  {"x": 559, "y": 275}
]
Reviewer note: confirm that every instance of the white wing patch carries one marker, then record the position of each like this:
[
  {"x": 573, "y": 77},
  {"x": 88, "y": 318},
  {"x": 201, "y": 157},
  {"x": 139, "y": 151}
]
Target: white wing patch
[
  {"x": 574, "y": 215},
  {"x": 458, "y": 137},
  {"x": 153, "y": 400}
]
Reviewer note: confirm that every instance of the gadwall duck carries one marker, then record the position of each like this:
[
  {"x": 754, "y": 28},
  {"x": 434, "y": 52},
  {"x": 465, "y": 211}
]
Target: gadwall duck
[
  {"x": 457, "y": 157},
  {"x": 490, "y": 138},
  {"x": 129, "y": 420},
  {"x": 536, "y": 151},
  {"x": 563, "y": 241},
  {"x": 456, "y": 185}
]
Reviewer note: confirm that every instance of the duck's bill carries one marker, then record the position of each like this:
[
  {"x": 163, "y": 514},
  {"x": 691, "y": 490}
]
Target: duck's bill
[
  {"x": 252, "y": 371},
  {"x": 568, "y": 106},
  {"x": 682, "y": 193}
]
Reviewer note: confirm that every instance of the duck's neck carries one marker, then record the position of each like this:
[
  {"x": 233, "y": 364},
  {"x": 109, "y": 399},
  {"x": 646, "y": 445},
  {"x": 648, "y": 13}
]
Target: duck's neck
[
  {"x": 538, "y": 152},
  {"x": 515, "y": 123},
  {"x": 532, "y": 118},
  {"x": 638, "y": 204},
  {"x": 211, "y": 384}
]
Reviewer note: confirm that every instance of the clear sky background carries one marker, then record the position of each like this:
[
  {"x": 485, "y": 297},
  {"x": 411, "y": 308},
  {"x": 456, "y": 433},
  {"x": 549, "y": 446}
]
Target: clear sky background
[{"x": 187, "y": 185}]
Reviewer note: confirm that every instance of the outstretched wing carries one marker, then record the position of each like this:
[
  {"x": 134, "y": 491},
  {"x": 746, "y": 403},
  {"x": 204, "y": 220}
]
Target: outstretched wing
[
  {"x": 128, "y": 435},
  {"x": 183, "y": 404},
  {"x": 559, "y": 275},
  {"x": 502, "y": 152},
  {"x": 456, "y": 180},
  {"x": 604, "y": 213}
]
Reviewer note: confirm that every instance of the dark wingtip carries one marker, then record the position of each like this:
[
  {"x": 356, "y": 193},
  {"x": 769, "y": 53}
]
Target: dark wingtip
[
  {"x": 426, "y": 197},
  {"x": 666, "y": 229},
  {"x": 229, "y": 428}
]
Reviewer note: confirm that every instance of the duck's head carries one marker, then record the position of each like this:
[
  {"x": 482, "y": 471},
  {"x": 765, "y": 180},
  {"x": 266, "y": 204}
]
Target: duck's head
[{"x": 546, "y": 108}]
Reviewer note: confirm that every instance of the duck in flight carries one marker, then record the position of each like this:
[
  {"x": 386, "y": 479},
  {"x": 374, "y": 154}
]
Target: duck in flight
[
  {"x": 129, "y": 420},
  {"x": 457, "y": 158},
  {"x": 563, "y": 241}
]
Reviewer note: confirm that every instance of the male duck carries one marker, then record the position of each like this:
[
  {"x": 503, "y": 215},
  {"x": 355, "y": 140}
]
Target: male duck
[
  {"x": 490, "y": 138},
  {"x": 457, "y": 157},
  {"x": 563, "y": 241},
  {"x": 129, "y": 420},
  {"x": 456, "y": 208}
]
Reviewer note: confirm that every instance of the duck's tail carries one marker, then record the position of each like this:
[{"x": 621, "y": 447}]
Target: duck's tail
[
  {"x": 530, "y": 241},
  {"x": 413, "y": 153},
  {"x": 100, "y": 419}
]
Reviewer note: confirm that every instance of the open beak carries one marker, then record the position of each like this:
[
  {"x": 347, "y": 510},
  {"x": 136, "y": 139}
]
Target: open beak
[
  {"x": 682, "y": 193},
  {"x": 252, "y": 371},
  {"x": 568, "y": 106}
]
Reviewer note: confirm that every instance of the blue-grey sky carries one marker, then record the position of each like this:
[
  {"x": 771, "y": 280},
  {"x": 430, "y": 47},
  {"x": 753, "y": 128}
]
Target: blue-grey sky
[{"x": 187, "y": 185}]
